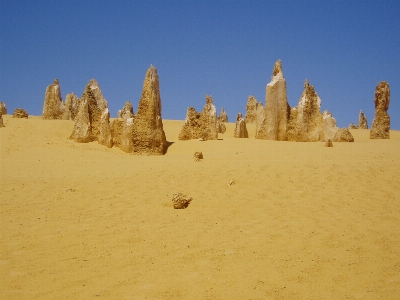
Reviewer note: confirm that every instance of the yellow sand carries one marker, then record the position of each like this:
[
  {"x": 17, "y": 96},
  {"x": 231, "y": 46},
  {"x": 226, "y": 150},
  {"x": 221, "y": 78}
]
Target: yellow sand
[{"x": 302, "y": 221}]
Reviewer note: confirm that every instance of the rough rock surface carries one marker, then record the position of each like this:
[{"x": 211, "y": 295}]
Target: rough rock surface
[
  {"x": 308, "y": 122},
  {"x": 221, "y": 128},
  {"x": 20, "y": 113},
  {"x": 1, "y": 120},
  {"x": 82, "y": 132},
  {"x": 223, "y": 117},
  {"x": 53, "y": 107},
  {"x": 127, "y": 111},
  {"x": 181, "y": 201},
  {"x": 329, "y": 128},
  {"x": 328, "y": 143},
  {"x": 381, "y": 124},
  {"x": 123, "y": 134},
  {"x": 105, "y": 134},
  {"x": 251, "y": 110},
  {"x": 343, "y": 135},
  {"x": 197, "y": 156},
  {"x": 71, "y": 107},
  {"x": 240, "y": 129},
  {"x": 3, "y": 108},
  {"x": 353, "y": 126},
  {"x": 260, "y": 116},
  {"x": 201, "y": 125},
  {"x": 362, "y": 121},
  {"x": 148, "y": 133},
  {"x": 277, "y": 110},
  {"x": 87, "y": 121}
]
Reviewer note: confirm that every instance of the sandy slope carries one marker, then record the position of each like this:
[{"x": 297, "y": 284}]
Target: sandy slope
[{"x": 82, "y": 221}]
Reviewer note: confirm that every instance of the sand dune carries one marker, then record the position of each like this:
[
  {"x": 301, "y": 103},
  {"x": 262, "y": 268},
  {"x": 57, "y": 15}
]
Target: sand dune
[{"x": 302, "y": 221}]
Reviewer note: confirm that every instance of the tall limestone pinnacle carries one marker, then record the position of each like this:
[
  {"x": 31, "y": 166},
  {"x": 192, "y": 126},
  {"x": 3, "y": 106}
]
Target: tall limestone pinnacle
[
  {"x": 53, "y": 107},
  {"x": 277, "y": 110},
  {"x": 148, "y": 133},
  {"x": 381, "y": 124}
]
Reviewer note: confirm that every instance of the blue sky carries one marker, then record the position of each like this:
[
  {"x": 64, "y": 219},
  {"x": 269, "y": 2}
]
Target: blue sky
[{"x": 226, "y": 49}]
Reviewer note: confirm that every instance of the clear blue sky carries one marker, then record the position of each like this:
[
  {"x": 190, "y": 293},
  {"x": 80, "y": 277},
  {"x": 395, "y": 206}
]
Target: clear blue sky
[{"x": 226, "y": 49}]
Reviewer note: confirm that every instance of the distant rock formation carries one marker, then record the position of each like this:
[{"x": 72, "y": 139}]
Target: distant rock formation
[
  {"x": 260, "y": 116},
  {"x": 251, "y": 110},
  {"x": 201, "y": 125},
  {"x": 381, "y": 123},
  {"x": 53, "y": 107},
  {"x": 306, "y": 119},
  {"x": 353, "y": 126},
  {"x": 127, "y": 111},
  {"x": 20, "y": 113},
  {"x": 91, "y": 107},
  {"x": 277, "y": 110},
  {"x": 148, "y": 133},
  {"x": 71, "y": 107},
  {"x": 362, "y": 121},
  {"x": 1, "y": 120},
  {"x": 343, "y": 135},
  {"x": 3, "y": 108},
  {"x": 240, "y": 129},
  {"x": 105, "y": 134},
  {"x": 328, "y": 143},
  {"x": 221, "y": 128},
  {"x": 223, "y": 117},
  {"x": 197, "y": 156}
]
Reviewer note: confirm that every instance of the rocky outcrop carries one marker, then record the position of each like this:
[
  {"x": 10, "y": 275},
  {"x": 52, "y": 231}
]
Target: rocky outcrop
[
  {"x": 82, "y": 132},
  {"x": 53, "y": 107},
  {"x": 240, "y": 129},
  {"x": 277, "y": 110},
  {"x": 127, "y": 111},
  {"x": 381, "y": 124},
  {"x": 343, "y": 135},
  {"x": 362, "y": 121},
  {"x": 201, "y": 125},
  {"x": 353, "y": 126},
  {"x": 251, "y": 110},
  {"x": 105, "y": 134},
  {"x": 3, "y": 108},
  {"x": 223, "y": 117},
  {"x": 328, "y": 143},
  {"x": 329, "y": 128},
  {"x": 91, "y": 106},
  {"x": 181, "y": 201},
  {"x": 260, "y": 116},
  {"x": 148, "y": 133},
  {"x": 1, "y": 120},
  {"x": 306, "y": 119},
  {"x": 197, "y": 156},
  {"x": 221, "y": 128},
  {"x": 123, "y": 134},
  {"x": 20, "y": 113},
  {"x": 71, "y": 107}
]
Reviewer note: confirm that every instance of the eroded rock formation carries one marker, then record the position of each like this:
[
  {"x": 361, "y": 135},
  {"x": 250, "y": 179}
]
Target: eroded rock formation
[
  {"x": 1, "y": 120},
  {"x": 53, "y": 107},
  {"x": 343, "y": 135},
  {"x": 3, "y": 108},
  {"x": 260, "y": 116},
  {"x": 223, "y": 117},
  {"x": 71, "y": 107},
  {"x": 181, "y": 201},
  {"x": 277, "y": 110},
  {"x": 240, "y": 129},
  {"x": 308, "y": 121},
  {"x": 123, "y": 134},
  {"x": 20, "y": 113},
  {"x": 201, "y": 125},
  {"x": 328, "y": 143},
  {"x": 381, "y": 124},
  {"x": 221, "y": 128},
  {"x": 251, "y": 110},
  {"x": 362, "y": 121},
  {"x": 353, "y": 126},
  {"x": 127, "y": 111},
  {"x": 105, "y": 133},
  {"x": 148, "y": 133},
  {"x": 91, "y": 106}
]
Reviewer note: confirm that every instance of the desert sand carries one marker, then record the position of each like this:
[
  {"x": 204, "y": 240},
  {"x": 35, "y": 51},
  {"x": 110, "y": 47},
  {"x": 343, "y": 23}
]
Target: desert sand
[{"x": 301, "y": 221}]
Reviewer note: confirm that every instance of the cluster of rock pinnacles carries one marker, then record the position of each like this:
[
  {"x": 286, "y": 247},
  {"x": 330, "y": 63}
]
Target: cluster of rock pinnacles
[{"x": 144, "y": 134}]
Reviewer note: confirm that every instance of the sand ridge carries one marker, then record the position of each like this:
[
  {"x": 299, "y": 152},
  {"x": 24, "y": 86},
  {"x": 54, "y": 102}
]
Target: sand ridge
[{"x": 301, "y": 221}]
